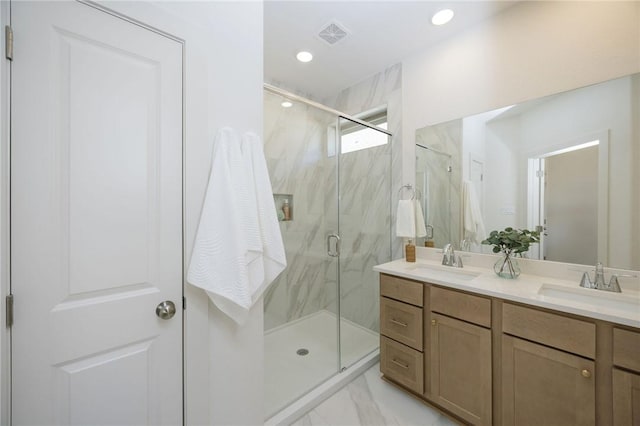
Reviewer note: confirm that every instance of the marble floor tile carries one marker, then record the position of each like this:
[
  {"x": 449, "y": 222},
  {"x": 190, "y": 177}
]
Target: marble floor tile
[{"x": 369, "y": 400}]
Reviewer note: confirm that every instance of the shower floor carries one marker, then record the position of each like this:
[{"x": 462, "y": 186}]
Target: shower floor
[{"x": 288, "y": 375}]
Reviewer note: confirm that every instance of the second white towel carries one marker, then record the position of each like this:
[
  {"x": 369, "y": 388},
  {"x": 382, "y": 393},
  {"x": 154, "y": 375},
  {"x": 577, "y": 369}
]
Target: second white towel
[
  {"x": 406, "y": 219},
  {"x": 421, "y": 228}
]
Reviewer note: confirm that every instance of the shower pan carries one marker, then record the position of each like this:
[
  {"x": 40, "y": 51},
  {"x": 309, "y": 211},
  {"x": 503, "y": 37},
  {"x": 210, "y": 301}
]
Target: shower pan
[{"x": 332, "y": 174}]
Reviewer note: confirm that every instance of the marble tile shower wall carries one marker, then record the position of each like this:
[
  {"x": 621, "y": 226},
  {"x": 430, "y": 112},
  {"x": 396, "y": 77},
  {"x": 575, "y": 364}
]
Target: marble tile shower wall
[
  {"x": 447, "y": 139},
  {"x": 296, "y": 141},
  {"x": 365, "y": 199},
  {"x": 296, "y": 152}
]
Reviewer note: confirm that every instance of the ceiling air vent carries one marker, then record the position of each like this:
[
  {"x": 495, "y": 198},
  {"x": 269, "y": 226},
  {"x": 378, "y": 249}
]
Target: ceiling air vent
[{"x": 332, "y": 33}]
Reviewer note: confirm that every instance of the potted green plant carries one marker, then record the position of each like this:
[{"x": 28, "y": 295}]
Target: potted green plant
[{"x": 511, "y": 243}]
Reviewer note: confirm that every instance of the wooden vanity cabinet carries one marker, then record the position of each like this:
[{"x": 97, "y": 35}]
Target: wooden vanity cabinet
[
  {"x": 401, "y": 332},
  {"x": 542, "y": 383},
  {"x": 460, "y": 349},
  {"x": 549, "y": 367},
  {"x": 626, "y": 377}
]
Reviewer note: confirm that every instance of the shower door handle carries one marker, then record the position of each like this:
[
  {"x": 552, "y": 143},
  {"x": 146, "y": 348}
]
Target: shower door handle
[{"x": 335, "y": 253}]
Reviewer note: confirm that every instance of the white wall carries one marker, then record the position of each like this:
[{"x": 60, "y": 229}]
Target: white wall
[
  {"x": 531, "y": 50},
  {"x": 223, "y": 87},
  {"x": 503, "y": 188}
]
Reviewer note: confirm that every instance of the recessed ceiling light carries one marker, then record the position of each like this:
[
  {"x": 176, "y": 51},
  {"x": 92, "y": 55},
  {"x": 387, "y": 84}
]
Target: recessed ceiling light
[
  {"x": 304, "y": 56},
  {"x": 286, "y": 104},
  {"x": 442, "y": 17}
]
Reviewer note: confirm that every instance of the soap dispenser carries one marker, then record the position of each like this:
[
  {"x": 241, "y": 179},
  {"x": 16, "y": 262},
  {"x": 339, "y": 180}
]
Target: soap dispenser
[
  {"x": 410, "y": 251},
  {"x": 286, "y": 209}
]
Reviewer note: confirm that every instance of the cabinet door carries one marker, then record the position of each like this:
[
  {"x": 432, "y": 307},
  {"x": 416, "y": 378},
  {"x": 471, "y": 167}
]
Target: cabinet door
[
  {"x": 626, "y": 398},
  {"x": 461, "y": 368},
  {"x": 544, "y": 386}
]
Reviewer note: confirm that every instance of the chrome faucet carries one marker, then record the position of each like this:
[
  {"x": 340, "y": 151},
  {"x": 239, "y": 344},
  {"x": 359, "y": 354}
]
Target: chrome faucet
[
  {"x": 599, "y": 282},
  {"x": 449, "y": 258}
]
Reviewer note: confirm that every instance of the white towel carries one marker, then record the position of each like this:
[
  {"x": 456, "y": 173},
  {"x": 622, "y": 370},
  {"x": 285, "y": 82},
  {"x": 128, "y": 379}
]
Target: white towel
[
  {"x": 228, "y": 259},
  {"x": 474, "y": 231},
  {"x": 273, "y": 259},
  {"x": 406, "y": 219},
  {"x": 421, "y": 229},
  {"x": 218, "y": 262}
]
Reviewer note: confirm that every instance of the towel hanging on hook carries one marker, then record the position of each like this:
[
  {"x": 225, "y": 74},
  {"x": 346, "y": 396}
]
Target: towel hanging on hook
[{"x": 410, "y": 188}]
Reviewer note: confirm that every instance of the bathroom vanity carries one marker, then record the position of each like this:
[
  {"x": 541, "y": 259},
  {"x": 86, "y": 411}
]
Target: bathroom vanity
[{"x": 536, "y": 350}]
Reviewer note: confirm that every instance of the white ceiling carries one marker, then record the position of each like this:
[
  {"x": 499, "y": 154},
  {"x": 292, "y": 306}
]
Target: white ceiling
[{"x": 382, "y": 33}]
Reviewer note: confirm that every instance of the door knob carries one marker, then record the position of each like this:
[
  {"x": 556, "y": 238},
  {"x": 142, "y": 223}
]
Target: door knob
[{"x": 166, "y": 310}]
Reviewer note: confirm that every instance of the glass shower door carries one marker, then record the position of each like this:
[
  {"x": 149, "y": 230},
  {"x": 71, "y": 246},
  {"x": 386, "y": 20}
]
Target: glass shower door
[
  {"x": 364, "y": 215},
  {"x": 334, "y": 177},
  {"x": 301, "y": 306}
]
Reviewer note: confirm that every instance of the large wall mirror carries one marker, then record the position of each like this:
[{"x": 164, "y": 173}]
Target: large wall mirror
[{"x": 566, "y": 164}]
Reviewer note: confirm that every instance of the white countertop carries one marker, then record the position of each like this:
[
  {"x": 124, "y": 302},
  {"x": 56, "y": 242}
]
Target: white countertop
[{"x": 543, "y": 291}]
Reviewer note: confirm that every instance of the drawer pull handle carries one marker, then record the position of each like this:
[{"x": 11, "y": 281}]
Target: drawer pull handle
[
  {"x": 586, "y": 373},
  {"x": 400, "y": 323},
  {"x": 405, "y": 366}
]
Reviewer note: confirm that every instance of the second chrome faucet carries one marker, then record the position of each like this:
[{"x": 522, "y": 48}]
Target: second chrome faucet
[
  {"x": 449, "y": 258},
  {"x": 599, "y": 282}
]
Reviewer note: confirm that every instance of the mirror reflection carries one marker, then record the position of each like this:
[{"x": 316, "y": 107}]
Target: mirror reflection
[{"x": 563, "y": 164}]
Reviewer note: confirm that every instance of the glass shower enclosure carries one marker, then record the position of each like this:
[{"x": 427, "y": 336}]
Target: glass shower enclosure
[
  {"x": 331, "y": 177},
  {"x": 433, "y": 186}
]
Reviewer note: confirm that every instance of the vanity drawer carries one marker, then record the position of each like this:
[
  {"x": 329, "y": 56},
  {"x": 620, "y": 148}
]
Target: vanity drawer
[
  {"x": 402, "y": 364},
  {"x": 626, "y": 349},
  {"x": 463, "y": 306},
  {"x": 558, "y": 331},
  {"x": 401, "y": 289},
  {"x": 401, "y": 322}
]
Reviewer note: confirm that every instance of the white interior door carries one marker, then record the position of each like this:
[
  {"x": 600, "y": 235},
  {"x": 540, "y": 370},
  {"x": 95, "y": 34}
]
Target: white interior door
[
  {"x": 96, "y": 218},
  {"x": 571, "y": 206}
]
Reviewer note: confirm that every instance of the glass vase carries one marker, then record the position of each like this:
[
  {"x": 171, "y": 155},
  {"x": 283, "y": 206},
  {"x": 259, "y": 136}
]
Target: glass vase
[{"x": 507, "y": 266}]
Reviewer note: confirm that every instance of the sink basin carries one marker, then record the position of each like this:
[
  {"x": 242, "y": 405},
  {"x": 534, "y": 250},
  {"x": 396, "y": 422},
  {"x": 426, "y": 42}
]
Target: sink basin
[
  {"x": 628, "y": 302},
  {"x": 444, "y": 272}
]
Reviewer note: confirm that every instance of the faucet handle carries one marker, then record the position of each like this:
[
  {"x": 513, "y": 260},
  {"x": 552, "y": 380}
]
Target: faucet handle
[
  {"x": 586, "y": 281},
  {"x": 614, "y": 285}
]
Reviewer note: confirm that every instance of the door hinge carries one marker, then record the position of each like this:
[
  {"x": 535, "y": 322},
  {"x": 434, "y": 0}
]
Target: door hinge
[
  {"x": 184, "y": 303},
  {"x": 9, "y": 309},
  {"x": 539, "y": 174},
  {"x": 8, "y": 42}
]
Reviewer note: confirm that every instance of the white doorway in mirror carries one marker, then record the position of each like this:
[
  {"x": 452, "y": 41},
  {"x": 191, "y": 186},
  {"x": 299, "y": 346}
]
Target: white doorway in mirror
[{"x": 568, "y": 192}]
